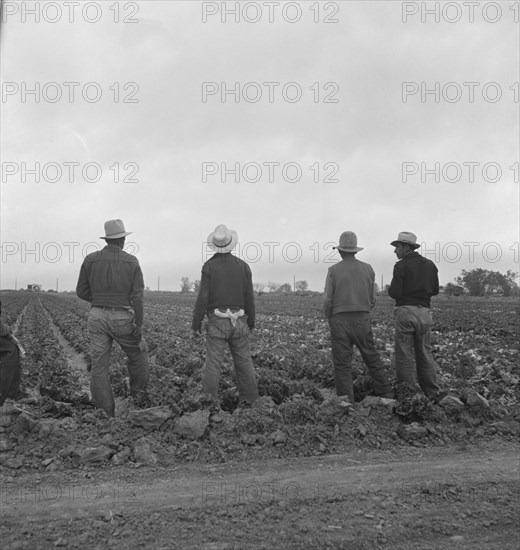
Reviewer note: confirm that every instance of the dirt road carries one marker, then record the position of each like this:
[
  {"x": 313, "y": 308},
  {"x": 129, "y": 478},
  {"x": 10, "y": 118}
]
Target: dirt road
[{"x": 426, "y": 499}]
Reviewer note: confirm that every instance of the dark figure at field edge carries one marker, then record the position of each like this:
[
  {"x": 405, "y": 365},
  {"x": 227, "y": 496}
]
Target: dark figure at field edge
[
  {"x": 112, "y": 281},
  {"x": 415, "y": 280},
  {"x": 349, "y": 298},
  {"x": 10, "y": 369},
  {"x": 226, "y": 298}
]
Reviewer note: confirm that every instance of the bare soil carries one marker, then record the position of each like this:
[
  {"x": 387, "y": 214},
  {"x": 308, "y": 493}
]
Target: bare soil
[
  {"x": 356, "y": 485},
  {"x": 431, "y": 498}
]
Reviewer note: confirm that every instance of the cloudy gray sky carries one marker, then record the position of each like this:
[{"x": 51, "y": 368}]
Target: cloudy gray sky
[{"x": 375, "y": 117}]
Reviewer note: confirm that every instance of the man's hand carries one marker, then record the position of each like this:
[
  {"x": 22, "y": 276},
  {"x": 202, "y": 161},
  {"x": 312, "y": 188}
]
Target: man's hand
[
  {"x": 196, "y": 333},
  {"x": 138, "y": 332}
]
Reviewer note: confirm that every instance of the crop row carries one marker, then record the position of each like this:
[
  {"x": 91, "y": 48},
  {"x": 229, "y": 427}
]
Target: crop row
[
  {"x": 475, "y": 345},
  {"x": 45, "y": 364},
  {"x": 13, "y": 304},
  {"x": 69, "y": 315}
]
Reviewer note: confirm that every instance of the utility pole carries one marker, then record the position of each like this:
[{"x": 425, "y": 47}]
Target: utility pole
[
  {"x": 16, "y": 284},
  {"x": 294, "y": 283},
  {"x": 158, "y": 283},
  {"x": 57, "y": 287}
]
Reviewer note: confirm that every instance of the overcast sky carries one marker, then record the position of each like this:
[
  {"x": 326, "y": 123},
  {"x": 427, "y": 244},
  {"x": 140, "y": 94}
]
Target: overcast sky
[{"x": 354, "y": 98}]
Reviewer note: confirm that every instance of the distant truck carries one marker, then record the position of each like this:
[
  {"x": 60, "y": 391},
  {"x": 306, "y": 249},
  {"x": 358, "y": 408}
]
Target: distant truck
[{"x": 34, "y": 288}]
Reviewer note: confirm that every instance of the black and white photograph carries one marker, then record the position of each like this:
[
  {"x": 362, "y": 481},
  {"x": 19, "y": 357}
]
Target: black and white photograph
[{"x": 259, "y": 275}]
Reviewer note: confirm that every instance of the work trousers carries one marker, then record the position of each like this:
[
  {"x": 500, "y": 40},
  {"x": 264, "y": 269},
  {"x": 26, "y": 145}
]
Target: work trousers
[
  {"x": 346, "y": 330},
  {"x": 413, "y": 352},
  {"x": 221, "y": 333},
  {"x": 106, "y": 325}
]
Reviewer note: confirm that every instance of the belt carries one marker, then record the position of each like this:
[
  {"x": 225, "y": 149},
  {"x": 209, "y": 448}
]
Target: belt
[{"x": 116, "y": 308}]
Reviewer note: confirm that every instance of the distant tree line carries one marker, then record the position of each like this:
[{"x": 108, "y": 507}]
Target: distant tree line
[
  {"x": 476, "y": 282},
  {"x": 301, "y": 286},
  {"x": 483, "y": 282}
]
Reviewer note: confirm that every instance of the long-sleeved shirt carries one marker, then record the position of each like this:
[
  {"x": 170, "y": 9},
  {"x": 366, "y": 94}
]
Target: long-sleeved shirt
[
  {"x": 111, "y": 277},
  {"x": 415, "y": 281},
  {"x": 349, "y": 287},
  {"x": 226, "y": 282}
]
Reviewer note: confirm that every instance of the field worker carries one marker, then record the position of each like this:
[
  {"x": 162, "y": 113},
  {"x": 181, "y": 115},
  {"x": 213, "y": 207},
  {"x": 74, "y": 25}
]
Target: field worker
[
  {"x": 348, "y": 300},
  {"x": 226, "y": 297},
  {"x": 112, "y": 281},
  {"x": 414, "y": 282},
  {"x": 10, "y": 369}
]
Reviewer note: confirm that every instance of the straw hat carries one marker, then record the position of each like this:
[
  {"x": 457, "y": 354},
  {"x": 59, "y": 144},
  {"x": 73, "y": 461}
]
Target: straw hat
[{"x": 222, "y": 240}]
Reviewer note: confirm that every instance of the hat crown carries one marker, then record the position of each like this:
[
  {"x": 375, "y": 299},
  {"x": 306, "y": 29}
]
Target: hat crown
[
  {"x": 112, "y": 227},
  {"x": 221, "y": 236},
  {"x": 407, "y": 237},
  {"x": 348, "y": 239},
  {"x": 348, "y": 242},
  {"x": 115, "y": 229},
  {"x": 222, "y": 240}
]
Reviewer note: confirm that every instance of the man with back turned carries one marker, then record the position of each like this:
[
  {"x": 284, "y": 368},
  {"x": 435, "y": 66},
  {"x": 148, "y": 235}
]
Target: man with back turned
[
  {"x": 112, "y": 281},
  {"x": 349, "y": 298},
  {"x": 226, "y": 298},
  {"x": 414, "y": 282}
]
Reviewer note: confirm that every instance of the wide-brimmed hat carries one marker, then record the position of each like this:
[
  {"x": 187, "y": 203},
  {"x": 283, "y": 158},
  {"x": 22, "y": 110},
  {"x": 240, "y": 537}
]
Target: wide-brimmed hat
[
  {"x": 115, "y": 229},
  {"x": 405, "y": 237},
  {"x": 222, "y": 240},
  {"x": 348, "y": 242}
]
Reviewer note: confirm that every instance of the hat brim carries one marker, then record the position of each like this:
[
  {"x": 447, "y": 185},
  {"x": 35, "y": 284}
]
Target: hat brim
[
  {"x": 395, "y": 243},
  {"x": 223, "y": 249},
  {"x": 342, "y": 249},
  {"x": 117, "y": 235}
]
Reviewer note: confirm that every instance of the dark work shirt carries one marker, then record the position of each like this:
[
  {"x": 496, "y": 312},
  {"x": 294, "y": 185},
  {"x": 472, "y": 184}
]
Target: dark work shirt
[
  {"x": 111, "y": 277},
  {"x": 414, "y": 282},
  {"x": 226, "y": 282}
]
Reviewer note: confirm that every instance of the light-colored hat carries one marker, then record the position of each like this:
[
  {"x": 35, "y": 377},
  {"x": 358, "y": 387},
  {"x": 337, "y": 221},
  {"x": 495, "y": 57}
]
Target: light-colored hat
[
  {"x": 222, "y": 240},
  {"x": 115, "y": 229},
  {"x": 348, "y": 242},
  {"x": 405, "y": 237}
]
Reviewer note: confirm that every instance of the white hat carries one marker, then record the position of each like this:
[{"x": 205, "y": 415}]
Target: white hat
[
  {"x": 115, "y": 229},
  {"x": 222, "y": 240},
  {"x": 406, "y": 237}
]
